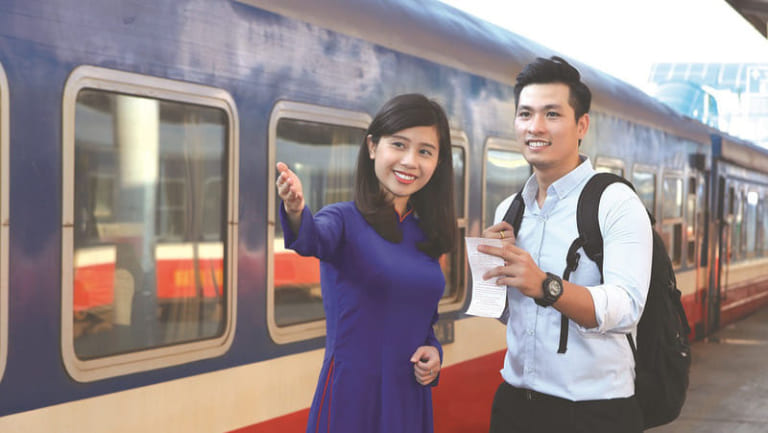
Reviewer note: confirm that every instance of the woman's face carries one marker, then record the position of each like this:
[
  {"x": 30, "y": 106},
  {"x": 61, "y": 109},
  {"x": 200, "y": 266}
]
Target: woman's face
[{"x": 405, "y": 161}]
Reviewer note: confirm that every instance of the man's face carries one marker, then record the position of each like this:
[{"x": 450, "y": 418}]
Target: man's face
[{"x": 546, "y": 126}]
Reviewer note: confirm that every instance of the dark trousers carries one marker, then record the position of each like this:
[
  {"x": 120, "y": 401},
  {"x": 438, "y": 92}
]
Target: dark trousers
[{"x": 518, "y": 410}]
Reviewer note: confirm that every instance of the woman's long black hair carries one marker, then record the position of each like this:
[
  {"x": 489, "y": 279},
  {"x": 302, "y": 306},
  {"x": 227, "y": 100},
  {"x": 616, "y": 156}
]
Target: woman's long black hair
[{"x": 434, "y": 203}]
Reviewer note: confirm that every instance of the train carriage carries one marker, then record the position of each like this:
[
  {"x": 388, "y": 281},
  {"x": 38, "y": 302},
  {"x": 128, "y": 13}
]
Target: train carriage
[{"x": 143, "y": 281}]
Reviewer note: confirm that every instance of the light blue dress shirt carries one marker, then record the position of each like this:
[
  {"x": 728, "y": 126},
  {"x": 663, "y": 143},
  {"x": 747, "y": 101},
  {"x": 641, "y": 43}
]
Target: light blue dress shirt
[{"x": 598, "y": 363}]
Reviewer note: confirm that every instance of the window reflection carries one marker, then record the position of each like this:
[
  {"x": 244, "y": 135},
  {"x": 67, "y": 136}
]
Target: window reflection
[
  {"x": 459, "y": 179},
  {"x": 762, "y": 227},
  {"x": 672, "y": 206},
  {"x": 323, "y": 156},
  {"x": 750, "y": 223},
  {"x": 505, "y": 173},
  {"x": 4, "y": 219},
  {"x": 618, "y": 171},
  {"x": 452, "y": 263},
  {"x": 149, "y": 232},
  {"x": 645, "y": 186},
  {"x": 672, "y": 214}
]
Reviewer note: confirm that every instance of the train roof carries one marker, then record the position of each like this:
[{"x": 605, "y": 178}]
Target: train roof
[{"x": 441, "y": 33}]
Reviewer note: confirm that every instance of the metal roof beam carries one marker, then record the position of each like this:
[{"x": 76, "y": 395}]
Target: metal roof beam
[{"x": 759, "y": 7}]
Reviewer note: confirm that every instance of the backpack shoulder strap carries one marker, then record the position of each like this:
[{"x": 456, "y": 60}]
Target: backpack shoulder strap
[
  {"x": 587, "y": 211},
  {"x": 514, "y": 215}
]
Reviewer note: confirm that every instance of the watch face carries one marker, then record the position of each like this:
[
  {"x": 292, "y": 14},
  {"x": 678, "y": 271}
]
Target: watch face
[{"x": 553, "y": 287}]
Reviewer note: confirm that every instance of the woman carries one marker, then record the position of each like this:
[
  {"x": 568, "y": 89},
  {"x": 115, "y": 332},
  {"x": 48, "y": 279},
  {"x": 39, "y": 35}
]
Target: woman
[{"x": 380, "y": 276}]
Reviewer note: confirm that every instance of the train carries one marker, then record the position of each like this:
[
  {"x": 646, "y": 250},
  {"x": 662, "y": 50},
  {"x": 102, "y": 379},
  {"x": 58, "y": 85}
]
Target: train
[{"x": 144, "y": 285}]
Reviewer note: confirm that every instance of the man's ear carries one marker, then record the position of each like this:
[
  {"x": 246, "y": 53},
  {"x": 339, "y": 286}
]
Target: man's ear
[{"x": 582, "y": 125}]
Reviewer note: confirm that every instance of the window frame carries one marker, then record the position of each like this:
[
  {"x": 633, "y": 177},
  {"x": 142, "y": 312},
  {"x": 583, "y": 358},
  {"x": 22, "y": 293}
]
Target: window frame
[
  {"x": 762, "y": 247},
  {"x": 737, "y": 218},
  {"x": 165, "y": 210},
  {"x": 610, "y": 163},
  {"x": 494, "y": 143},
  {"x": 310, "y": 113},
  {"x": 459, "y": 140},
  {"x": 695, "y": 235},
  {"x": 654, "y": 171},
  {"x": 4, "y": 217},
  {"x": 751, "y": 188},
  {"x": 133, "y": 84},
  {"x": 674, "y": 221}
]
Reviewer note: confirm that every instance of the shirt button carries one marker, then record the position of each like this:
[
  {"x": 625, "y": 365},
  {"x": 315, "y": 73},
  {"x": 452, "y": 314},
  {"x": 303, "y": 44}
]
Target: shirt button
[{"x": 529, "y": 331}]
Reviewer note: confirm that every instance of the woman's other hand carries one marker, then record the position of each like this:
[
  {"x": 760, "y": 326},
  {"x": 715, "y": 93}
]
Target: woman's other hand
[{"x": 426, "y": 364}]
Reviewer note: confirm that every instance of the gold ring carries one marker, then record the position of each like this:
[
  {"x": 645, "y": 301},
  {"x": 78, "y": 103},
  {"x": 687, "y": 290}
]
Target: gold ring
[{"x": 501, "y": 235}]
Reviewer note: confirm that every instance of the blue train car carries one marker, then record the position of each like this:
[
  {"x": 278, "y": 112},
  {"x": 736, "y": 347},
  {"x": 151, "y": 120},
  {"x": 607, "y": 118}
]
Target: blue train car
[{"x": 143, "y": 281}]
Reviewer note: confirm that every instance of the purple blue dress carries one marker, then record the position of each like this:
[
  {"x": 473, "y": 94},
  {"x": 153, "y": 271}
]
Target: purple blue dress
[{"x": 380, "y": 301}]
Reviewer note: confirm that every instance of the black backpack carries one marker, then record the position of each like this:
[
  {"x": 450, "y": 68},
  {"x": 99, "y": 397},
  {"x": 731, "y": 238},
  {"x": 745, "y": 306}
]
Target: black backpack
[{"x": 663, "y": 353}]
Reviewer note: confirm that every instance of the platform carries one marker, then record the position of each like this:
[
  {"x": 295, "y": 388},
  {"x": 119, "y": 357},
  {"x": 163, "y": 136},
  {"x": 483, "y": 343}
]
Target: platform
[{"x": 729, "y": 381}]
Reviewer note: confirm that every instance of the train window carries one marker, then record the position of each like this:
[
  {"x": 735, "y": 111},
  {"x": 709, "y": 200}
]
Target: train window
[
  {"x": 672, "y": 214},
  {"x": 453, "y": 263},
  {"x": 700, "y": 221},
  {"x": 737, "y": 225},
  {"x": 4, "y": 221},
  {"x": 147, "y": 279},
  {"x": 644, "y": 179},
  {"x": 672, "y": 193},
  {"x": 320, "y": 145},
  {"x": 690, "y": 221},
  {"x": 762, "y": 227},
  {"x": 609, "y": 165},
  {"x": 171, "y": 221},
  {"x": 211, "y": 222},
  {"x": 459, "y": 175},
  {"x": 731, "y": 201},
  {"x": 744, "y": 225},
  {"x": 506, "y": 171},
  {"x": 750, "y": 222}
]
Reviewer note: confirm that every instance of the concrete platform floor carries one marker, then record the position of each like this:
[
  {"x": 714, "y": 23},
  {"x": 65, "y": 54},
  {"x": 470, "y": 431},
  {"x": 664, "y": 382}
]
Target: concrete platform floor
[{"x": 728, "y": 391}]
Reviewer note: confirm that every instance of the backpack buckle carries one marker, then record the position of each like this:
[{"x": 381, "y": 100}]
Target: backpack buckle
[{"x": 573, "y": 261}]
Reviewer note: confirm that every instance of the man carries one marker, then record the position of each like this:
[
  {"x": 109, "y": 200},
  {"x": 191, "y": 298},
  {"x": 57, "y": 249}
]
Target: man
[{"x": 590, "y": 386}]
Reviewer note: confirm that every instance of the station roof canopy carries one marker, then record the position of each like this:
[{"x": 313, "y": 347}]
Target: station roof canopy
[{"x": 754, "y": 11}]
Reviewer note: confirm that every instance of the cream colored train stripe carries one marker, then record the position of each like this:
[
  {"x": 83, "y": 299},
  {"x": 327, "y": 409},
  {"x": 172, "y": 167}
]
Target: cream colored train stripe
[{"x": 223, "y": 400}]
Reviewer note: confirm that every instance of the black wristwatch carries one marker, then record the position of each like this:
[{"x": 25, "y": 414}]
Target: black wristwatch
[{"x": 552, "y": 288}]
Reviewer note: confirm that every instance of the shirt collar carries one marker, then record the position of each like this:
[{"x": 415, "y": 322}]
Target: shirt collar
[
  {"x": 409, "y": 210},
  {"x": 563, "y": 186}
]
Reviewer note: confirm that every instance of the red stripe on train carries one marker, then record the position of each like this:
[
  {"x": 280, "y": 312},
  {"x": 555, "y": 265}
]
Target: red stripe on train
[
  {"x": 292, "y": 423},
  {"x": 462, "y": 401}
]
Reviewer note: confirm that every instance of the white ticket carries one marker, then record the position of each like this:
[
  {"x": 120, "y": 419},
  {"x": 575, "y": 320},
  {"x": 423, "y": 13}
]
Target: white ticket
[{"x": 488, "y": 299}]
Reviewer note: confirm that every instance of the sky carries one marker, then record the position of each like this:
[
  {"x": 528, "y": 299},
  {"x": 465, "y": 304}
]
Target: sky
[{"x": 624, "y": 38}]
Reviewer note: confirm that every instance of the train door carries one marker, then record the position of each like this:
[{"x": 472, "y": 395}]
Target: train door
[
  {"x": 734, "y": 243},
  {"x": 722, "y": 248},
  {"x": 696, "y": 247},
  {"x": 717, "y": 229}
]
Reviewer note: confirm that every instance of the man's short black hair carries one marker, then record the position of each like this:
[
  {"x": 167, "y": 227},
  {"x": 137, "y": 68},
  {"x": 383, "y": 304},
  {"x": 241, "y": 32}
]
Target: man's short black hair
[{"x": 556, "y": 70}]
